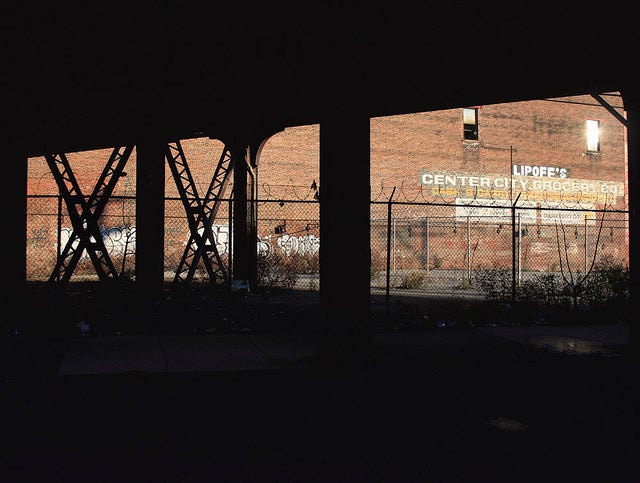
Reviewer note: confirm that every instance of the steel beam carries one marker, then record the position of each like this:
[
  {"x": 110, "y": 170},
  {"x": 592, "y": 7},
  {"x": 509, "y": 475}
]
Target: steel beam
[
  {"x": 200, "y": 214},
  {"x": 84, "y": 214}
]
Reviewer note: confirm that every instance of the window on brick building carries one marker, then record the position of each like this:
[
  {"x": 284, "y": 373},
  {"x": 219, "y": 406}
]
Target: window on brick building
[
  {"x": 470, "y": 122},
  {"x": 593, "y": 136}
]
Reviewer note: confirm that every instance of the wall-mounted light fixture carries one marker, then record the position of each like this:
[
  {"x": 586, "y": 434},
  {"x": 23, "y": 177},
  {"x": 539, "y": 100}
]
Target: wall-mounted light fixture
[{"x": 280, "y": 229}]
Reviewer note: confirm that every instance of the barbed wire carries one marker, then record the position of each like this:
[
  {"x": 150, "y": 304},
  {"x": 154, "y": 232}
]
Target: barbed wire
[{"x": 289, "y": 191}]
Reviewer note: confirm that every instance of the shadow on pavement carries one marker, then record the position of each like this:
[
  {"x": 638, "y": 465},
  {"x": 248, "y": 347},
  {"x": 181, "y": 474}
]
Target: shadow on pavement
[{"x": 442, "y": 405}]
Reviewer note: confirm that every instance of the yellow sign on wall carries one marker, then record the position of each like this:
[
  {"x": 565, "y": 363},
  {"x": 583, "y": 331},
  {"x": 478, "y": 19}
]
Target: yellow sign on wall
[{"x": 542, "y": 189}]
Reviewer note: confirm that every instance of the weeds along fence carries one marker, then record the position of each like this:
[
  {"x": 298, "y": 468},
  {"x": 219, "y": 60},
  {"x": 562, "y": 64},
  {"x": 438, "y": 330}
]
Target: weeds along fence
[
  {"x": 412, "y": 238},
  {"x": 434, "y": 252},
  {"x": 418, "y": 250}
]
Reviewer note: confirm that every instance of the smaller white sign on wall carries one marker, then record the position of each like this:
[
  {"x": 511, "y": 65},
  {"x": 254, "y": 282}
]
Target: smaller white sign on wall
[
  {"x": 496, "y": 211},
  {"x": 568, "y": 217}
]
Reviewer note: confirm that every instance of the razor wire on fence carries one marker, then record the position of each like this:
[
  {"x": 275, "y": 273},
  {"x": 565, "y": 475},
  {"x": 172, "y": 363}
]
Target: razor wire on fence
[
  {"x": 430, "y": 237},
  {"x": 419, "y": 250},
  {"x": 539, "y": 258},
  {"x": 288, "y": 239}
]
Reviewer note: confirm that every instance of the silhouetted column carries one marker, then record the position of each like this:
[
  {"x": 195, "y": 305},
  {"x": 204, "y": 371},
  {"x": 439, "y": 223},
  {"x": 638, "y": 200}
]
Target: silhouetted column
[
  {"x": 150, "y": 181},
  {"x": 14, "y": 246},
  {"x": 241, "y": 219},
  {"x": 252, "y": 190},
  {"x": 344, "y": 237},
  {"x": 632, "y": 107}
]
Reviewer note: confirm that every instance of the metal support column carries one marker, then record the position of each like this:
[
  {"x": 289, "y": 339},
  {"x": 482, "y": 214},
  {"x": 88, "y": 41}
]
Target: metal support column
[
  {"x": 14, "y": 252},
  {"x": 632, "y": 107},
  {"x": 84, "y": 214},
  {"x": 200, "y": 216},
  {"x": 150, "y": 209},
  {"x": 345, "y": 252},
  {"x": 241, "y": 218}
]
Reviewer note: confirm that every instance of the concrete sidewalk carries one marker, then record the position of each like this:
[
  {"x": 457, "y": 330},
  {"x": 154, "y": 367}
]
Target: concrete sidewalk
[
  {"x": 186, "y": 353},
  {"x": 237, "y": 352}
]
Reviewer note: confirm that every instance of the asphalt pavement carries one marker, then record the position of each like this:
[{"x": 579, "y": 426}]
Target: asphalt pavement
[{"x": 549, "y": 403}]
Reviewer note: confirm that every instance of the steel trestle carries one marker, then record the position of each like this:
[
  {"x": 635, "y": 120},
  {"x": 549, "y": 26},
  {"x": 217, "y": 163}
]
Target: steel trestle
[
  {"x": 200, "y": 215},
  {"x": 84, "y": 214}
]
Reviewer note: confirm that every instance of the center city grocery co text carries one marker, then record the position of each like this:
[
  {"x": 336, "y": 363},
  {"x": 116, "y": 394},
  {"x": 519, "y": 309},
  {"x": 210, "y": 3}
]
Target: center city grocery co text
[{"x": 540, "y": 183}]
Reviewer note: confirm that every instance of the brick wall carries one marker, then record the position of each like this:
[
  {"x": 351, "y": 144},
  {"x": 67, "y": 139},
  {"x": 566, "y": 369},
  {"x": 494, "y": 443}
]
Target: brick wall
[{"x": 540, "y": 132}]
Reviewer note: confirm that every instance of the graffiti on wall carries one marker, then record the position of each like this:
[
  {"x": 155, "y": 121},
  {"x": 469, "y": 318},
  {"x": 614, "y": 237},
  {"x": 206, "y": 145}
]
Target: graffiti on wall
[
  {"x": 301, "y": 245},
  {"x": 118, "y": 240},
  {"x": 220, "y": 236},
  {"x": 264, "y": 248},
  {"x": 121, "y": 240},
  {"x": 288, "y": 245}
]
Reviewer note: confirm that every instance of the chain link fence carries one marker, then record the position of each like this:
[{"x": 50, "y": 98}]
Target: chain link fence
[
  {"x": 410, "y": 239},
  {"x": 49, "y": 228},
  {"x": 422, "y": 254},
  {"x": 288, "y": 239},
  {"x": 448, "y": 256}
]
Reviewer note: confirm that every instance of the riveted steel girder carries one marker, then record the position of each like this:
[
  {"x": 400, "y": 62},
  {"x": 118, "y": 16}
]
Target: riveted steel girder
[
  {"x": 200, "y": 214},
  {"x": 85, "y": 213}
]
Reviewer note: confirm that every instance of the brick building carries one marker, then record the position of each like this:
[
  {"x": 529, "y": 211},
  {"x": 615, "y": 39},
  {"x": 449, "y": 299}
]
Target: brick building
[
  {"x": 562, "y": 161},
  {"x": 454, "y": 176},
  {"x": 543, "y": 133}
]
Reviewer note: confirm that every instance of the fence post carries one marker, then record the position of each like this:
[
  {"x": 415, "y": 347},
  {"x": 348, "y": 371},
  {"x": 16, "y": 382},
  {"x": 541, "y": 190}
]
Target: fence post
[
  {"x": 586, "y": 217},
  {"x": 468, "y": 249},
  {"x": 388, "y": 251},
  {"x": 426, "y": 241},
  {"x": 513, "y": 249},
  {"x": 59, "y": 240},
  {"x": 230, "y": 248},
  {"x": 519, "y": 249},
  {"x": 393, "y": 234}
]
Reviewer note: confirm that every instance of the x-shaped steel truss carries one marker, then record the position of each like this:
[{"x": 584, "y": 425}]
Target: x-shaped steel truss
[
  {"x": 200, "y": 215},
  {"x": 84, "y": 214}
]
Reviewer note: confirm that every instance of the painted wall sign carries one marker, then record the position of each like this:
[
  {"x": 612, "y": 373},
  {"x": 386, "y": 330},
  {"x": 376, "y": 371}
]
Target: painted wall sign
[
  {"x": 568, "y": 217},
  {"x": 499, "y": 211},
  {"x": 544, "y": 189},
  {"x": 539, "y": 171}
]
